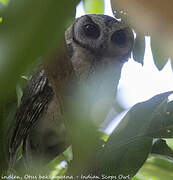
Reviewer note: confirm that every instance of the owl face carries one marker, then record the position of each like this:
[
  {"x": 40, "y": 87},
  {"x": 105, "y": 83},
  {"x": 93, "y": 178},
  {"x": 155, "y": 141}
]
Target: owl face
[
  {"x": 103, "y": 35},
  {"x": 96, "y": 41}
]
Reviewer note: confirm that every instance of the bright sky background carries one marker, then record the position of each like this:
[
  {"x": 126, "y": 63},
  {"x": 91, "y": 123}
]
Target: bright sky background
[{"x": 139, "y": 83}]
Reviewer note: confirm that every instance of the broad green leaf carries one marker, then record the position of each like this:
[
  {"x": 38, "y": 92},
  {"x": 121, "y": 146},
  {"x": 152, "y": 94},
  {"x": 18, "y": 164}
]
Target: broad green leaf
[
  {"x": 161, "y": 125},
  {"x": 161, "y": 148},
  {"x": 139, "y": 48},
  {"x": 94, "y": 7},
  {"x": 55, "y": 168},
  {"x": 140, "y": 115},
  {"x": 125, "y": 159},
  {"x": 160, "y": 58},
  {"x": 156, "y": 169},
  {"x": 129, "y": 145},
  {"x": 30, "y": 30}
]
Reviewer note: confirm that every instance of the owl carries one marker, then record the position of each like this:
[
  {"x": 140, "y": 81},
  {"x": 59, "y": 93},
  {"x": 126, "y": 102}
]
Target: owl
[{"x": 97, "y": 47}]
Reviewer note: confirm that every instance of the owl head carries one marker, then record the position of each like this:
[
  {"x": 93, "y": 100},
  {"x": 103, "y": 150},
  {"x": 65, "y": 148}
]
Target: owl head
[{"x": 98, "y": 40}]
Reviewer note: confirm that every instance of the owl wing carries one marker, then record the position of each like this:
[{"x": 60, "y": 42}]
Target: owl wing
[{"x": 34, "y": 102}]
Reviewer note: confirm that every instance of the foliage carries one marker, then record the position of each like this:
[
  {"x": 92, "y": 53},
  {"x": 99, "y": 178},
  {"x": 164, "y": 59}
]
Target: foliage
[
  {"x": 31, "y": 26},
  {"x": 135, "y": 132},
  {"x": 30, "y": 32},
  {"x": 96, "y": 7}
]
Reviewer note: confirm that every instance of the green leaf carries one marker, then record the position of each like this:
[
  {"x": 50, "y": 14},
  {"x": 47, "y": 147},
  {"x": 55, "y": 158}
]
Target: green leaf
[
  {"x": 170, "y": 143},
  {"x": 126, "y": 158},
  {"x": 19, "y": 93},
  {"x": 156, "y": 169},
  {"x": 30, "y": 30},
  {"x": 68, "y": 155},
  {"x": 54, "y": 167},
  {"x": 135, "y": 178},
  {"x": 161, "y": 125},
  {"x": 139, "y": 48},
  {"x": 160, "y": 58},
  {"x": 129, "y": 145},
  {"x": 94, "y": 7},
  {"x": 161, "y": 148}
]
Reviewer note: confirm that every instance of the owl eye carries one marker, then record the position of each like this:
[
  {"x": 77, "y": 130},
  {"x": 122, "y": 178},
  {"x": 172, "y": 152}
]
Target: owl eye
[
  {"x": 92, "y": 30},
  {"x": 119, "y": 37}
]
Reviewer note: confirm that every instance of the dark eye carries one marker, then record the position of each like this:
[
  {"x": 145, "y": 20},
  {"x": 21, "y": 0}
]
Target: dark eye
[
  {"x": 119, "y": 37},
  {"x": 92, "y": 30}
]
